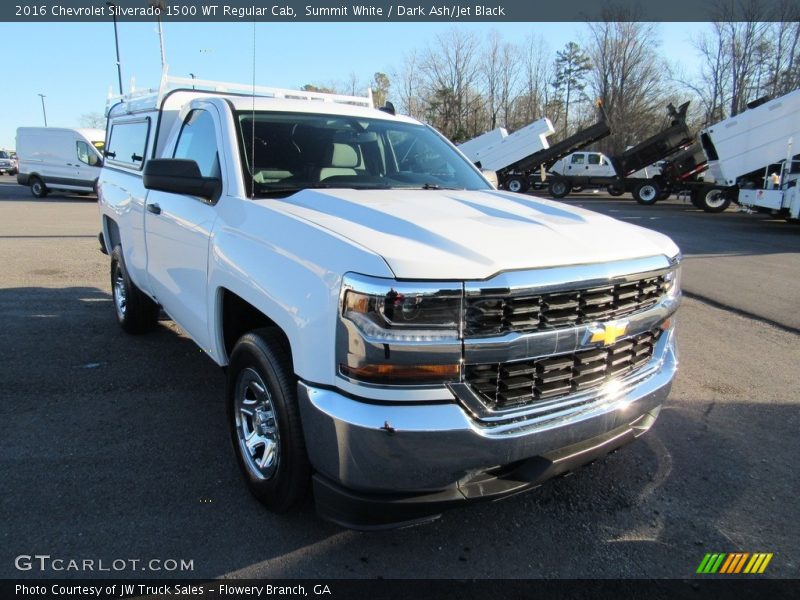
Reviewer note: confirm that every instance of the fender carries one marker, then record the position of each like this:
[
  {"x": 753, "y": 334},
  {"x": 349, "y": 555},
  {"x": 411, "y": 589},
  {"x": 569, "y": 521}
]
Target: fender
[{"x": 290, "y": 270}]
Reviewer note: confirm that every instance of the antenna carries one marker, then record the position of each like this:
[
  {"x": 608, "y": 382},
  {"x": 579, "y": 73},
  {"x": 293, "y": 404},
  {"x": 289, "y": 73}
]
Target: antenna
[
  {"x": 253, "y": 121},
  {"x": 161, "y": 6}
]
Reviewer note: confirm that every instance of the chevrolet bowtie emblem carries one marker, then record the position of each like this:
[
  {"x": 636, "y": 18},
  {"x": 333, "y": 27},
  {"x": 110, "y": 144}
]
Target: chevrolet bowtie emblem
[{"x": 609, "y": 332}]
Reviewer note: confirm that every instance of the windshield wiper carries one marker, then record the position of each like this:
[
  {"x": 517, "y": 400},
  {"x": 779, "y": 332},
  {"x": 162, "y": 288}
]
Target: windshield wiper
[
  {"x": 276, "y": 191},
  {"x": 436, "y": 186}
]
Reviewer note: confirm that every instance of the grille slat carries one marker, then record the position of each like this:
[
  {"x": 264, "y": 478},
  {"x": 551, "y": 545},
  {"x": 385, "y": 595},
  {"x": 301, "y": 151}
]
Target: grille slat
[
  {"x": 497, "y": 313},
  {"x": 523, "y": 382}
]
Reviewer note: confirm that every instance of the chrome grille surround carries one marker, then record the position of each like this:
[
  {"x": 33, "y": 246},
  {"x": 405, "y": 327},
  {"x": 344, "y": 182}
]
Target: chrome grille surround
[{"x": 554, "y": 373}]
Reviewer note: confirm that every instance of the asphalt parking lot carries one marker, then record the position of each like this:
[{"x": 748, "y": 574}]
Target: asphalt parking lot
[{"x": 116, "y": 447}]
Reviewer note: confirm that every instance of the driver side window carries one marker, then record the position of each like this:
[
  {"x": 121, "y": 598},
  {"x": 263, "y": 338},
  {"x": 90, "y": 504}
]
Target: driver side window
[
  {"x": 85, "y": 155},
  {"x": 198, "y": 142}
]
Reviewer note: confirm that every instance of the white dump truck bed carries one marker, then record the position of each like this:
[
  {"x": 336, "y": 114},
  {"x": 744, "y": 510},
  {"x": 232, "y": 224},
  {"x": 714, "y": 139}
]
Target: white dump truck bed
[
  {"x": 497, "y": 149},
  {"x": 752, "y": 140}
]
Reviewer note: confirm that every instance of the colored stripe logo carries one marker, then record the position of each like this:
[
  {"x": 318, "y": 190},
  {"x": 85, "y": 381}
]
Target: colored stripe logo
[{"x": 731, "y": 563}]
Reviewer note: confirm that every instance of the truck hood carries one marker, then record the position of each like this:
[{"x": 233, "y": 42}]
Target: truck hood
[{"x": 443, "y": 234}]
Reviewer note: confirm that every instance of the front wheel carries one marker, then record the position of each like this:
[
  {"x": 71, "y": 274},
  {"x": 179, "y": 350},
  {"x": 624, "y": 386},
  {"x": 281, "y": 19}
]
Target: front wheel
[
  {"x": 38, "y": 188},
  {"x": 713, "y": 200},
  {"x": 264, "y": 420},
  {"x": 647, "y": 193},
  {"x": 136, "y": 313},
  {"x": 615, "y": 189},
  {"x": 559, "y": 188},
  {"x": 518, "y": 185}
]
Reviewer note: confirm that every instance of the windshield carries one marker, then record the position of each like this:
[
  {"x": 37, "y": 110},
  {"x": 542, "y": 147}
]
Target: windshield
[
  {"x": 4, "y": 154},
  {"x": 287, "y": 152}
]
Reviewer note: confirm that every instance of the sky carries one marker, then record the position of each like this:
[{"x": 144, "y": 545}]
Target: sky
[{"x": 74, "y": 64}]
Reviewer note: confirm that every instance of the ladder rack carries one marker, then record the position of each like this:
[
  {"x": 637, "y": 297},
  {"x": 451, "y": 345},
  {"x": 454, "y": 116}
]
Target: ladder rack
[{"x": 169, "y": 83}]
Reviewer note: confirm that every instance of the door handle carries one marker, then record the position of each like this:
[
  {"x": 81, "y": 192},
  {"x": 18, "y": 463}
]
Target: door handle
[{"x": 154, "y": 208}]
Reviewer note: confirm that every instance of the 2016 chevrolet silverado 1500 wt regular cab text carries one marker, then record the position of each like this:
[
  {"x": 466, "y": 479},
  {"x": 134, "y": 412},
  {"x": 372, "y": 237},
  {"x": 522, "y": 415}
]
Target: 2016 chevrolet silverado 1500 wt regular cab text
[{"x": 395, "y": 332}]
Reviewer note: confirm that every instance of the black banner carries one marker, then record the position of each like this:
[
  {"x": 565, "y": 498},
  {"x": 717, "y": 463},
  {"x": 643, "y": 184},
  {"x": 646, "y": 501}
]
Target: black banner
[
  {"x": 392, "y": 11},
  {"x": 402, "y": 589}
]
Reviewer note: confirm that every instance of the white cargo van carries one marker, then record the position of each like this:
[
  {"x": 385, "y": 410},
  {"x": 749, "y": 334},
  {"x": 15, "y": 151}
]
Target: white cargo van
[{"x": 56, "y": 158}]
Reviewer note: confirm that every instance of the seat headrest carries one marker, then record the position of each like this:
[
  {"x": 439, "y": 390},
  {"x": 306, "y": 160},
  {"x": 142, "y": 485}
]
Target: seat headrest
[{"x": 344, "y": 156}]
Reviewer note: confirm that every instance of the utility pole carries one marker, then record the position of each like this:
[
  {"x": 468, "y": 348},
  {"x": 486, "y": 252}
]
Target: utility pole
[
  {"x": 44, "y": 113},
  {"x": 116, "y": 43}
]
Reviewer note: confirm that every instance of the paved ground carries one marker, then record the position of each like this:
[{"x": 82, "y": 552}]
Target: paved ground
[{"x": 115, "y": 447}]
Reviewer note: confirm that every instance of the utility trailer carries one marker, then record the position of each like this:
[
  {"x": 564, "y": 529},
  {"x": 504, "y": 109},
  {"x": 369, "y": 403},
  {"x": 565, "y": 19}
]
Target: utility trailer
[{"x": 746, "y": 152}]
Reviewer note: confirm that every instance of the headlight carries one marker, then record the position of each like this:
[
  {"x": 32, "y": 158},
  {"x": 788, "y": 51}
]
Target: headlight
[
  {"x": 393, "y": 332},
  {"x": 673, "y": 278}
]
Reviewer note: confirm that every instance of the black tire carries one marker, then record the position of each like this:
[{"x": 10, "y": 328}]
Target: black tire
[
  {"x": 38, "y": 188},
  {"x": 517, "y": 184},
  {"x": 260, "y": 372},
  {"x": 713, "y": 200},
  {"x": 664, "y": 195},
  {"x": 136, "y": 313},
  {"x": 647, "y": 193},
  {"x": 615, "y": 190},
  {"x": 559, "y": 188}
]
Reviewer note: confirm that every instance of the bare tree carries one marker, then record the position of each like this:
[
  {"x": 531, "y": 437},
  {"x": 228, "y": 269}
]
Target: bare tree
[
  {"x": 409, "y": 86},
  {"x": 535, "y": 75},
  {"x": 627, "y": 77},
  {"x": 785, "y": 59},
  {"x": 450, "y": 79},
  {"x": 491, "y": 76},
  {"x": 94, "y": 120}
]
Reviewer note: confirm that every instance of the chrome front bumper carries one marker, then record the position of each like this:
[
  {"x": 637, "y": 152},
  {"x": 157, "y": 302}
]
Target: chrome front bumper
[{"x": 416, "y": 448}]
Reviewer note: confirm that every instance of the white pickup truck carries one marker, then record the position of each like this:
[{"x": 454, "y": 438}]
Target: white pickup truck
[{"x": 395, "y": 332}]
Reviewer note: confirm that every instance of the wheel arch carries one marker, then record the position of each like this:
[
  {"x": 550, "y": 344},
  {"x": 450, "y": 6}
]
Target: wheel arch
[{"x": 236, "y": 317}]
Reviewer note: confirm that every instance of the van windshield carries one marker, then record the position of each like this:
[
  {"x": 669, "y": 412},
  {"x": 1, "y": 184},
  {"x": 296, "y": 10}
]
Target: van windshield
[{"x": 286, "y": 152}]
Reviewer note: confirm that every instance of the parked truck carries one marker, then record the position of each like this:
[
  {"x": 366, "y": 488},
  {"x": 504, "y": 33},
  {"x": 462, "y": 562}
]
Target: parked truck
[
  {"x": 564, "y": 166},
  {"x": 396, "y": 334},
  {"x": 745, "y": 151}
]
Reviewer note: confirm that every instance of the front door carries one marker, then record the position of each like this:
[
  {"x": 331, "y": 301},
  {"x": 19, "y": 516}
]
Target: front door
[{"x": 178, "y": 232}]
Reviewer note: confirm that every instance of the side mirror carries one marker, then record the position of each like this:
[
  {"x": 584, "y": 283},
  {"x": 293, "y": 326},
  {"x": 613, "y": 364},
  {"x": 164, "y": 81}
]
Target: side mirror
[{"x": 180, "y": 176}]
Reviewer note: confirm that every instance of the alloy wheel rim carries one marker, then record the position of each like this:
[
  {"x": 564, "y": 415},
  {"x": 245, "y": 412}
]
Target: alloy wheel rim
[
  {"x": 256, "y": 425},
  {"x": 120, "y": 295}
]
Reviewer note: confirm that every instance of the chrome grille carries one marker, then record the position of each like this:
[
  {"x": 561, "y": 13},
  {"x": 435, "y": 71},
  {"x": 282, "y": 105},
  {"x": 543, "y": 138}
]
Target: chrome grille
[
  {"x": 497, "y": 314},
  {"x": 504, "y": 385}
]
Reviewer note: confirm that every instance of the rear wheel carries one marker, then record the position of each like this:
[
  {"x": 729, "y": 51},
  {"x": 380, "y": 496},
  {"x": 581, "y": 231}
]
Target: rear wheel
[
  {"x": 518, "y": 185},
  {"x": 713, "y": 200},
  {"x": 38, "y": 188},
  {"x": 647, "y": 193},
  {"x": 559, "y": 188},
  {"x": 136, "y": 313},
  {"x": 264, "y": 420}
]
